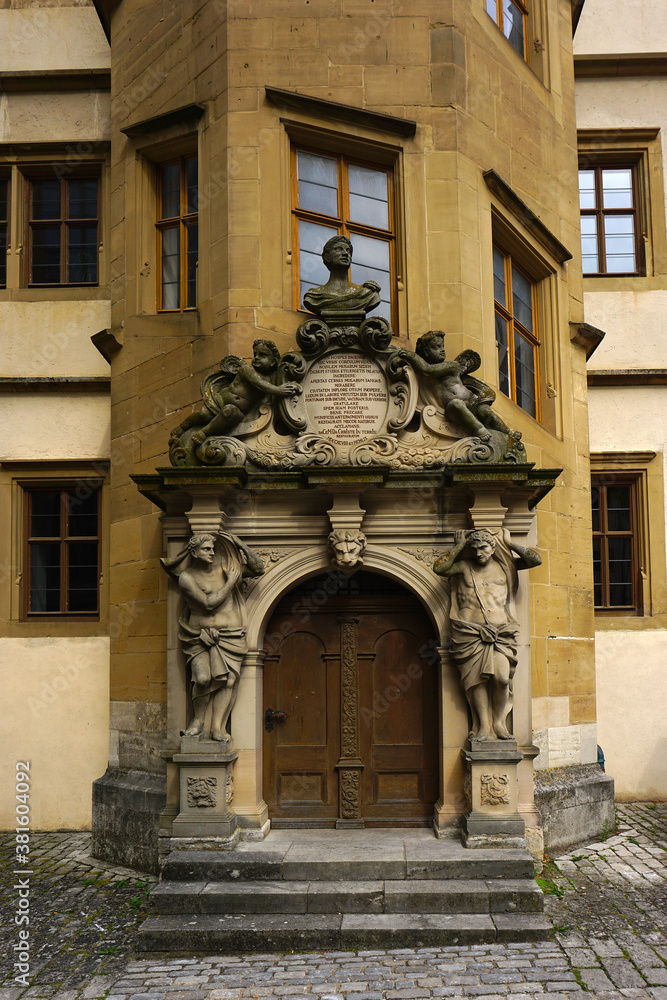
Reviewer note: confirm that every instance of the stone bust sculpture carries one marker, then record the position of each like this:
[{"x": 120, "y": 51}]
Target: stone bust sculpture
[
  {"x": 484, "y": 630},
  {"x": 213, "y": 629},
  {"x": 339, "y": 294}
]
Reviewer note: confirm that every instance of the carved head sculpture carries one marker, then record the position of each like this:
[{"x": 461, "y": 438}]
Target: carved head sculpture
[
  {"x": 431, "y": 346},
  {"x": 347, "y": 548},
  {"x": 337, "y": 252},
  {"x": 202, "y": 546},
  {"x": 483, "y": 544},
  {"x": 266, "y": 356}
]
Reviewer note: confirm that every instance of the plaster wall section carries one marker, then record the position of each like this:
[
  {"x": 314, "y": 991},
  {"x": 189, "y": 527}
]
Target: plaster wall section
[
  {"x": 47, "y": 339},
  {"x": 619, "y": 27},
  {"x": 59, "y": 724},
  {"x": 55, "y": 427},
  {"x": 478, "y": 106}
]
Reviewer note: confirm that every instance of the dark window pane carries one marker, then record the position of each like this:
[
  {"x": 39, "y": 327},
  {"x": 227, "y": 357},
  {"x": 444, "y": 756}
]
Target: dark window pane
[
  {"x": 171, "y": 268},
  {"x": 45, "y": 514},
  {"x": 597, "y": 572},
  {"x": 589, "y": 244},
  {"x": 3, "y": 200},
  {"x": 83, "y": 576},
  {"x": 371, "y": 263},
  {"x": 369, "y": 200},
  {"x": 191, "y": 180},
  {"x": 312, "y": 238},
  {"x": 46, "y": 255},
  {"x": 82, "y": 198},
  {"x": 619, "y": 243},
  {"x": 513, "y": 25},
  {"x": 503, "y": 359},
  {"x": 171, "y": 191},
  {"x": 82, "y": 507},
  {"x": 618, "y": 508},
  {"x": 46, "y": 200},
  {"x": 586, "y": 189},
  {"x": 192, "y": 251},
  {"x": 522, "y": 299},
  {"x": 499, "y": 289},
  {"x": 45, "y": 576},
  {"x": 318, "y": 183},
  {"x": 524, "y": 360},
  {"x": 3, "y": 256},
  {"x": 595, "y": 504},
  {"x": 82, "y": 253},
  {"x": 620, "y": 571},
  {"x": 617, "y": 188}
]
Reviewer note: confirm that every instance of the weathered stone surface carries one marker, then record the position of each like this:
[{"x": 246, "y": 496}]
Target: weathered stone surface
[
  {"x": 126, "y": 812},
  {"x": 575, "y": 803}
]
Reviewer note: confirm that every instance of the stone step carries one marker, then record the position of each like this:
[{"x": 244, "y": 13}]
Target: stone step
[
  {"x": 218, "y": 934},
  {"x": 423, "y": 860},
  {"x": 380, "y": 896}
]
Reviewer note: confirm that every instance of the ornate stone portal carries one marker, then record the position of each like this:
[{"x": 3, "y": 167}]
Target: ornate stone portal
[{"x": 345, "y": 451}]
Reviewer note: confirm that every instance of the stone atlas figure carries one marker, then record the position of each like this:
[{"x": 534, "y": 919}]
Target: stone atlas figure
[
  {"x": 209, "y": 571},
  {"x": 483, "y": 628}
]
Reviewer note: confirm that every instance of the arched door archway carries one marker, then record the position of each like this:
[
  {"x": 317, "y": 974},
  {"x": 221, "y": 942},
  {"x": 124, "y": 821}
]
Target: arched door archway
[{"x": 351, "y": 689}]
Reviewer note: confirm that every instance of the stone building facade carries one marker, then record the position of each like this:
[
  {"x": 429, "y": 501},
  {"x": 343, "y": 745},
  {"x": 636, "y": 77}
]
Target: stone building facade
[
  {"x": 242, "y": 136},
  {"x": 621, "y": 116},
  {"x": 54, "y": 407}
]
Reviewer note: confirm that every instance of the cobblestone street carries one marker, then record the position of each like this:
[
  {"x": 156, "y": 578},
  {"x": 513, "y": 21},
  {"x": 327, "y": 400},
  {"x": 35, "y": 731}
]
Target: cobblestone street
[{"x": 608, "y": 902}]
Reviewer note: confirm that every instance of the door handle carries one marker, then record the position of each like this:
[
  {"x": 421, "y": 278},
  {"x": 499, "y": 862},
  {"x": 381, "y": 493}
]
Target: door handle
[{"x": 271, "y": 717}]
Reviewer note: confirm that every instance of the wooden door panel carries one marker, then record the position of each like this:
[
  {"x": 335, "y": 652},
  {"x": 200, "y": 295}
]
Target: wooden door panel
[
  {"x": 398, "y": 701},
  {"x": 302, "y": 679}
]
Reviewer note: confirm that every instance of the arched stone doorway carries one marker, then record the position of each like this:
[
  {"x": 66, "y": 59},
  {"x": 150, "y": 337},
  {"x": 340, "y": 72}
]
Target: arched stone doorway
[{"x": 350, "y": 705}]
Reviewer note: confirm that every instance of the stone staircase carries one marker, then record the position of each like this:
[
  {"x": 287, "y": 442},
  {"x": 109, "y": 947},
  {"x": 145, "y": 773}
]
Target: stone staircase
[{"x": 333, "y": 889}]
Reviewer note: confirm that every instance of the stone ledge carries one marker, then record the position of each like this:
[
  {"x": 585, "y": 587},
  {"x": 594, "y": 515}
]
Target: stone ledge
[
  {"x": 126, "y": 813},
  {"x": 574, "y": 803}
]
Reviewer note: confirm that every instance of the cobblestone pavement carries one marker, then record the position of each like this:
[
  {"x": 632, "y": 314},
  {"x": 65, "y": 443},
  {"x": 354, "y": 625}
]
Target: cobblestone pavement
[{"x": 608, "y": 902}]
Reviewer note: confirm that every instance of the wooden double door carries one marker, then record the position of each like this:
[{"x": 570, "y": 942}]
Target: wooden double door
[{"x": 350, "y": 707}]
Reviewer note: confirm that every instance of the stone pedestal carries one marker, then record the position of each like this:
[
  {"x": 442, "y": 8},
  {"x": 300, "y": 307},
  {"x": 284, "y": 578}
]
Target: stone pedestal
[
  {"x": 491, "y": 785},
  {"x": 206, "y": 787}
]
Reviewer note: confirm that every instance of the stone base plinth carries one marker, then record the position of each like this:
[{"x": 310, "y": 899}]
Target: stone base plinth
[
  {"x": 491, "y": 783},
  {"x": 206, "y": 793}
]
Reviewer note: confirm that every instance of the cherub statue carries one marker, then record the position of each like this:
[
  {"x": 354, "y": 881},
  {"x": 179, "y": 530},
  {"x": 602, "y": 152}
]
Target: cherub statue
[
  {"x": 230, "y": 396},
  {"x": 339, "y": 294},
  {"x": 470, "y": 407},
  {"x": 209, "y": 571},
  {"x": 483, "y": 627}
]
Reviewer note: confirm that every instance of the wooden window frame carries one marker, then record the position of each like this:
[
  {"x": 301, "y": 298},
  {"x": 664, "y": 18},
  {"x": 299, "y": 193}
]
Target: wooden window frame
[
  {"x": 64, "y": 222},
  {"x": 341, "y": 222},
  {"x": 598, "y": 164},
  {"x": 7, "y": 224},
  {"x": 601, "y": 480},
  {"x": 182, "y": 221},
  {"x": 499, "y": 20},
  {"x": 63, "y": 486},
  {"x": 532, "y": 338}
]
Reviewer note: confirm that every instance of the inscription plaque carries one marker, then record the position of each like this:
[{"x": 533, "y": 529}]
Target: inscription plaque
[{"x": 346, "y": 397}]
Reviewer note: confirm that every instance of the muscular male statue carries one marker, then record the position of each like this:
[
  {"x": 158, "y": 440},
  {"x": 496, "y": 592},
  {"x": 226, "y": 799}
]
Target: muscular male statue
[
  {"x": 483, "y": 629},
  {"x": 213, "y": 631}
]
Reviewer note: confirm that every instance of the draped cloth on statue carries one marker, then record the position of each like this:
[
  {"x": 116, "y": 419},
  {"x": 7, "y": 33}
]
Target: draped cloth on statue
[
  {"x": 225, "y": 649},
  {"x": 473, "y": 645}
]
